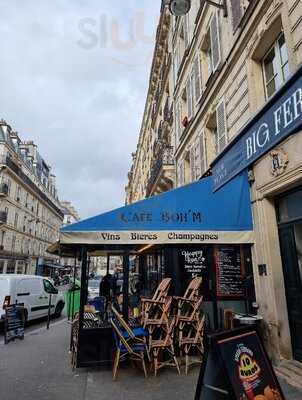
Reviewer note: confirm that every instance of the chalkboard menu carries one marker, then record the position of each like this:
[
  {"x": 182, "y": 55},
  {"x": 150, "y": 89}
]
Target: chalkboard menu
[
  {"x": 196, "y": 261},
  {"x": 236, "y": 367},
  {"x": 14, "y": 323},
  {"x": 229, "y": 271}
]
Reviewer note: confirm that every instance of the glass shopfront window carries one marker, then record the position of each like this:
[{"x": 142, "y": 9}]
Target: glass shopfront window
[
  {"x": 290, "y": 207},
  {"x": 11, "y": 264}
]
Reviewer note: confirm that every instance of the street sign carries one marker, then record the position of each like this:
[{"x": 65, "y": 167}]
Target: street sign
[
  {"x": 14, "y": 323},
  {"x": 236, "y": 367}
]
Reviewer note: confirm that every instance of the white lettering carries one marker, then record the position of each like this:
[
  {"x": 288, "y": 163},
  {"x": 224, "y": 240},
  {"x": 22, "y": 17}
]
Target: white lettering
[
  {"x": 297, "y": 96},
  {"x": 249, "y": 148},
  {"x": 263, "y": 134},
  {"x": 277, "y": 116},
  {"x": 288, "y": 118}
]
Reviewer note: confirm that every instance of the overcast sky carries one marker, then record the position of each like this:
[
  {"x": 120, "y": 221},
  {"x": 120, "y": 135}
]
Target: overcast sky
[{"x": 74, "y": 76}]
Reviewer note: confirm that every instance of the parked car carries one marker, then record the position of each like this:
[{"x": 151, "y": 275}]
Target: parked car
[
  {"x": 32, "y": 291},
  {"x": 93, "y": 288}
]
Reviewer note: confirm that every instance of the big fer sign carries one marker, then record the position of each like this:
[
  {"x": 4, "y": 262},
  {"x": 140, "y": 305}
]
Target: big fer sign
[{"x": 237, "y": 367}]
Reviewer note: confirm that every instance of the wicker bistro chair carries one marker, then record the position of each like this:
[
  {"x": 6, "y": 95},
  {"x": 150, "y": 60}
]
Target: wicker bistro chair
[
  {"x": 158, "y": 317},
  {"x": 159, "y": 296},
  {"x": 189, "y": 314},
  {"x": 137, "y": 332},
  {"x": 127, "y": 346},
  {"x": 185, "y": 303},
  {"x": 164, "y": 344},
  {"x": 192, "y": 337}
]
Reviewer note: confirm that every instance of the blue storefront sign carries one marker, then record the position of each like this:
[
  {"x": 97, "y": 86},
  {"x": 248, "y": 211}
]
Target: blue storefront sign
[{"x": 280, "y": 118}]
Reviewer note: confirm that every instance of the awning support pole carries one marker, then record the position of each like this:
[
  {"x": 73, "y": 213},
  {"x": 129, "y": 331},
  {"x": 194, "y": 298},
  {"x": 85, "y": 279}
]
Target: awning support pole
[
  {"x": 126, "y": 285},
  {"x": 108, "y": 264},
  {"x": 83, "y": 285}
]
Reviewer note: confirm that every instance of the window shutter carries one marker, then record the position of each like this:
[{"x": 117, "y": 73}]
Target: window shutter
[
  {"x": 189, "y": 98},
  {"x": 197, "y": 160},
  {"x": 202, "y": 153},
  {"x": 180, "y": 173},
  {"x": 186, "y": 30},
  {"x": 221, "y": 138},
  {"x": 192, "y": 163},
  {"x": 236, "y": 12},
  {"x": 197, "y": 78},
  {"x": 175, "y": 67},
  {"x": 177, "y": 122},
  {"x": 215, "y": 41}
]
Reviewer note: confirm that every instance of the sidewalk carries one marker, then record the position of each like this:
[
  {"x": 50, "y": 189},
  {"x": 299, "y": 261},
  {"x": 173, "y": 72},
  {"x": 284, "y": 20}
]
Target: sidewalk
[{"x": 38, "y": 369}]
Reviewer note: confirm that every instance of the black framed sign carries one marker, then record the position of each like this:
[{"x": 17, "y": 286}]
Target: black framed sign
[
  {"x": 230, "y": 271},
  {"x": 237, "y": 367},
  {"x": 14, "y": 323}
]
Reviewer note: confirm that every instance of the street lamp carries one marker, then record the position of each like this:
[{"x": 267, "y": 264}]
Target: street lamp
[
  {"x": 182, "y": 7},
  {"x": 178, "y": 7}
]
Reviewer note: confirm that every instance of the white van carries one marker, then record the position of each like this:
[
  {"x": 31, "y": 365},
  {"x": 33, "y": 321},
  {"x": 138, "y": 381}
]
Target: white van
[{"x": 32, "y": 291}]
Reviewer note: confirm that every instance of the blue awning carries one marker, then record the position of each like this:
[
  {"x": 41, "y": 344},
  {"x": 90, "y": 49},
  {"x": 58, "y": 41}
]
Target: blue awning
[{"x": 190, "y": 214}]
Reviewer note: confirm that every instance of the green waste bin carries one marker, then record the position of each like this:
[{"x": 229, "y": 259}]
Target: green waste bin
[{"x": 72, "y": 300}]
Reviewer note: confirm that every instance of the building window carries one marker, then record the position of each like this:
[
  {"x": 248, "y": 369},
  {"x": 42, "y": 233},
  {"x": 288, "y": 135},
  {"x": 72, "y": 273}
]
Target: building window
[
  {"x": 2, "y": 237},
  {"x": 18, "y": 194},
  {"x": 1, "y": 266},
  {"x": 10, "y": 269},
  {"x": 20, "y": 267},
  {"x": 16, "y": 221},
  {"x": 26, "y": 200},
  {"x": 13, "y": 243},
  {"x": 275, "y": 66}
]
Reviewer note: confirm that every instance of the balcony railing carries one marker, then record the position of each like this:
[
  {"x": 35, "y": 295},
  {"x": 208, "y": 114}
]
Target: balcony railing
[
  {"x": 3, "y": 217},
  {"x": 165, "y": 157},
  {"x": 3, "y": 189}
]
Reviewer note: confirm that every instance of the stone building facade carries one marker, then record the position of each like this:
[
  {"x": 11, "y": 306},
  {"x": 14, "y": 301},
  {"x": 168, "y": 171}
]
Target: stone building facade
[
  {"x": 30, "y": 214},
  {"x": 71, "y": 215},
  {"x": 224, "y": 68}
]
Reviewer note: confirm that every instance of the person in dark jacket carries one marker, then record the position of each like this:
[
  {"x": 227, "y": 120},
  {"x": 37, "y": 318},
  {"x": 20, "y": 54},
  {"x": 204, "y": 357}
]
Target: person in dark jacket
[{"x": 105, "y": 287}]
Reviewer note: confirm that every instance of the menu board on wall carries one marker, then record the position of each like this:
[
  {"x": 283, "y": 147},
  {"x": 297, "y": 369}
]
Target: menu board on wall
[{"x": 229, "y": 271}]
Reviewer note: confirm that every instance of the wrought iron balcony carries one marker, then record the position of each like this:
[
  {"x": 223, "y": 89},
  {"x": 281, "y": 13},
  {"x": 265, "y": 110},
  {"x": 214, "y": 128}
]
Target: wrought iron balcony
[{"x": 164, "y": 158}]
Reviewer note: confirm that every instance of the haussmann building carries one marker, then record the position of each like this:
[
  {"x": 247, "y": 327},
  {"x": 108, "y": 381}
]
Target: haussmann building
[{"x": 225, "y": 98}]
